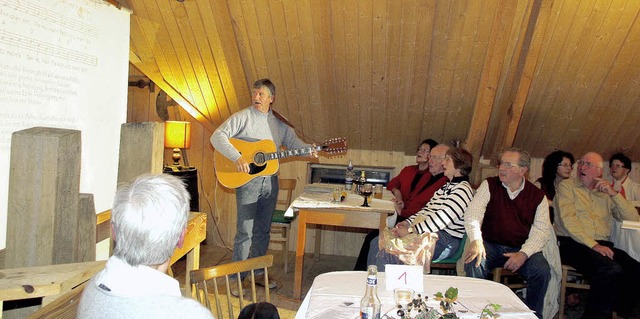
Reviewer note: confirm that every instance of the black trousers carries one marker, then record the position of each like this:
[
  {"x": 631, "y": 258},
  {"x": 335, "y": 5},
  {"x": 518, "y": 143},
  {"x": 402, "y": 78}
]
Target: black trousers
[
  {"x": 361, "y": 263},
  {"x": 613, "y": 281}
]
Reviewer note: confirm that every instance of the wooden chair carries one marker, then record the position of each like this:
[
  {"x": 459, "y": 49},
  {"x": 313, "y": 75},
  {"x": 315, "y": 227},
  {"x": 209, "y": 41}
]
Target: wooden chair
[
  {"x": 201, "y": 278},
  {"x": 63, "y": 307},
  {"x": 279, "y": 223},
  {"x": 502, "y": 275},
  {"x": 564, "y": 284}
]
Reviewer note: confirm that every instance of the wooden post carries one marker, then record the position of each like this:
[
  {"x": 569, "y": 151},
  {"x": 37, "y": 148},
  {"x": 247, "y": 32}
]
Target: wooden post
[
  {"x": 44, "y": 183},
  {"x": 141, "y": 150},
  {"x": 87, "y": 219}
]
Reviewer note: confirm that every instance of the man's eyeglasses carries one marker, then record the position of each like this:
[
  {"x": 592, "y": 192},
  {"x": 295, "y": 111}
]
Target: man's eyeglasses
[
  {"x": 587, "y": 164},
  {"x": 616, "y": 166},
  {"x": 438, "y": 158},
  {"x": 507, "y": 165},
  {"x": 565, "y": 165}
]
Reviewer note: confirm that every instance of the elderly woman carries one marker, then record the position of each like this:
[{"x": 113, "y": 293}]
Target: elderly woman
[
  {"x": 556, "y": 167},
  {"x": 443, "y": 214}
]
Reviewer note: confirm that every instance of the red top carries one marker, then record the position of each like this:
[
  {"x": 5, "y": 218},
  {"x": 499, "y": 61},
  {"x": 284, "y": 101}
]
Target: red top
[{"x": 415, "y": 199}]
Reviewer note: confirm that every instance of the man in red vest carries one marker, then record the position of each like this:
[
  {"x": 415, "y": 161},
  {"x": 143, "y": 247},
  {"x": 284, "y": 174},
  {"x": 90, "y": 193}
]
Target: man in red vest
[{"x": 508, "y": 224}]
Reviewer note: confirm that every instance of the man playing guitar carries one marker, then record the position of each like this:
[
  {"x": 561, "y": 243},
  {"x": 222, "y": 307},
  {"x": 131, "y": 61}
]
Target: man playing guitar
[{"x": 256, "y": 200}]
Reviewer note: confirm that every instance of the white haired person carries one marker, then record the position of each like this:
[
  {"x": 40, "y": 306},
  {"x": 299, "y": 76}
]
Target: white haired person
[{"x": 149, "y": 218}]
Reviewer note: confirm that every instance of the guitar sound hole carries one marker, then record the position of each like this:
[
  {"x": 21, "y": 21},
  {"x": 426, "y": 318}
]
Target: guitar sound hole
[{"x": 259, "y": 158}]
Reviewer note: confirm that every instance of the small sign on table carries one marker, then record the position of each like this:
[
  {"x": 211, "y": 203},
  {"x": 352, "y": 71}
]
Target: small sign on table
[{"x": 400, "y": 276}]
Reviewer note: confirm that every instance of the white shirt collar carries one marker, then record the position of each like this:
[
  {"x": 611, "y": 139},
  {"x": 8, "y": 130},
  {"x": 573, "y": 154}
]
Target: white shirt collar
[{"x": 122, "y": 279}]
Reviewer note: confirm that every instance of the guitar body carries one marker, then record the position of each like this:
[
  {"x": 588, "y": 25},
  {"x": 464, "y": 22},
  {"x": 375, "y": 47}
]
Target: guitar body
[
  {"x": 262, "y": 157},
  {"x": 252, "y": 152}
]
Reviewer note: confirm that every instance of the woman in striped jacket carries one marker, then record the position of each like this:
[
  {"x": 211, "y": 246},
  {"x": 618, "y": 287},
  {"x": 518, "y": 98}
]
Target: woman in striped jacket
[{"x": 443, "y": 214}]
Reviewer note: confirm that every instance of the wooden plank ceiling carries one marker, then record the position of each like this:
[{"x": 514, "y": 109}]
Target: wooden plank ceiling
[{"x": 537, "y": 74}]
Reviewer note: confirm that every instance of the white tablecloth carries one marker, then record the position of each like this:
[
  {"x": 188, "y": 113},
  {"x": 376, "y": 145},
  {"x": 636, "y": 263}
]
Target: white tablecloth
[
  {"x": 626, "y": 239},
  {"x": 351, "y": 202},
  {"x": 343, "y": 290}
]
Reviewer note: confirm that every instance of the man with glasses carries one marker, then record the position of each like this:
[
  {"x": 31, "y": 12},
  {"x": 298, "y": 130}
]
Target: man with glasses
[
  {"x": 508, "y": 225},
  {"x": 412, "y": 188},
  {"x": 619, "y": 167},
  {"x": 585, "y": 209}
]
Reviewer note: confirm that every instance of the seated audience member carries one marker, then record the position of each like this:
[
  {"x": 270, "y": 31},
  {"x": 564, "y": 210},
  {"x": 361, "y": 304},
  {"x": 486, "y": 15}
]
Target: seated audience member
[
  {"x": 585, "y": 209},
  {"x": 508, "y": 225},
  {"x": 412, "y": 188},
  {"x": 556, "y": 167},
  {"x": 148, "y": 219},
  {"x": 443, "y": 214},
  {"x": 619, "y": 167},
  {"x": 260, "y": 310}
]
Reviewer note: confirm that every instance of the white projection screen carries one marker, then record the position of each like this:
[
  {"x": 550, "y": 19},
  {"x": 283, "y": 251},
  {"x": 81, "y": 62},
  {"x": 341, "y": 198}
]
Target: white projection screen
[{"x": 64, "y": 64}]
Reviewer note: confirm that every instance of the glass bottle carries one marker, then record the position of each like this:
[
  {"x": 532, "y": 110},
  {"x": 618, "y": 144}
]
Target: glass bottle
[
  {"x": 348, "y": 179},
  {"x": 370, "y": 304}
]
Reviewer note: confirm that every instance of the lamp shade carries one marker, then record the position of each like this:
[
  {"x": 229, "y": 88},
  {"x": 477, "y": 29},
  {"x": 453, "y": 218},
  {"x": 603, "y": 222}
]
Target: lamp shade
[{"x": 177, "y": 134}]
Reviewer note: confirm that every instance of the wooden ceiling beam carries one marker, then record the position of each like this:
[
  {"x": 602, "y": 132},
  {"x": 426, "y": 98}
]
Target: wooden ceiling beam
[
  {"x": 489, "y": 80},
  {"x": 530, "y": 49}
]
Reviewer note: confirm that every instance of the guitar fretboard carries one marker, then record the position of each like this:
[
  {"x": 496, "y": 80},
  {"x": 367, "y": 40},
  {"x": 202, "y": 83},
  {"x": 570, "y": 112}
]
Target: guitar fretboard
[{"x": 293, "y": 152}]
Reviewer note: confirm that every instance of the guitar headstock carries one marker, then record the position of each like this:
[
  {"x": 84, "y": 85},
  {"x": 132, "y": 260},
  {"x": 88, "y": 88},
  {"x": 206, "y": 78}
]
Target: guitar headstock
[{"x": 335, "y": 145}]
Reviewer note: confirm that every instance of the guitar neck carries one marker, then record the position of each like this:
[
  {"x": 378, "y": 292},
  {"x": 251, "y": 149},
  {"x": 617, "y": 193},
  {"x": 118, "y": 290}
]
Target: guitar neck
[{"x": 293, "y": 152}]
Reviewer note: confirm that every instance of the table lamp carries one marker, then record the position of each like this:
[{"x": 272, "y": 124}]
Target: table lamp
[{"x": 177, "y": 135}]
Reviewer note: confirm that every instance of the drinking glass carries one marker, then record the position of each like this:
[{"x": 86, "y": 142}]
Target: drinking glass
[
  {"x": 403, "y": 296},
  {"x": 366, "y": 191}
]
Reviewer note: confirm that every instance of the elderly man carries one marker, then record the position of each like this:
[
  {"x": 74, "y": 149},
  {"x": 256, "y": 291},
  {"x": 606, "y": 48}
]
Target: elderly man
[
  {"x": 620, "y": 166},
  {"x": 585, "y": 210},
  {"x": 149, "y": 219},
  {"x": 508, "y": 225}
]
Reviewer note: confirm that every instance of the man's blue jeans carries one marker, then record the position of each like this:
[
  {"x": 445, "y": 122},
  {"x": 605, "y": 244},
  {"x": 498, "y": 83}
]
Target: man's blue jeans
[
  {"x": 535, "y": 270},
  {"x": 255, "y": 203}
]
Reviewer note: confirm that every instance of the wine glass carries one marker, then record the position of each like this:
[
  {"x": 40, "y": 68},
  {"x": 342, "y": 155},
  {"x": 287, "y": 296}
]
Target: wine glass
[{"x": 366, "y": 191}]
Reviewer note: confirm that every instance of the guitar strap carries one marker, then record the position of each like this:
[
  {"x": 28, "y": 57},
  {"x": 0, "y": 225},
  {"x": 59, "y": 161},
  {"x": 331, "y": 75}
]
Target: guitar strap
[{"x": 282, "y": 118}]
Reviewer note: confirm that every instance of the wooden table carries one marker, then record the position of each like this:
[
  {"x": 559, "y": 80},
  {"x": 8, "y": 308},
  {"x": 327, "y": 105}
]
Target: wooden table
[
  {"x": 348, "y": 214},
  {"x": 44, "y": 281},
  {"x": 341, "y": 291}
]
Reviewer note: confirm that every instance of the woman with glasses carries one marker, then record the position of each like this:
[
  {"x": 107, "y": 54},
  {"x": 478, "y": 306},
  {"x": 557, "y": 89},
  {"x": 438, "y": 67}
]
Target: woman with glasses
[{"x": 556, "y": 167}]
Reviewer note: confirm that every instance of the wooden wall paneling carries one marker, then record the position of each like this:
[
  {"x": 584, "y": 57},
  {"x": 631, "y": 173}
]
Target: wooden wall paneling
[
  {"x": 285, "y": 82},
  {"x": 619, "y": 83},
  {"x": 244, "y": 39},
  {"x": 349, "y": 18},
  {"x": 267, "y": 42},
  {"x": 304, "y": 112},
  {"x": 364, "y": 52},
  {"x": 338, "y": 57},
  {"x": 231, "y": 70},
  {"x": 416, "y": 129},
  {"x": 546, "y": 70},
  {"x": 450, "y": 42},
  {"x": 408, "y": 30},
  {"x": 565, "y": 29},
  {"x": 183, "y": 60},
  {"x": 458, "y": 96},
  {"x": 155, "y": 36},
  {"x": 319, "y": 56},
  {"x": 393, "y": 110},
  {"x": 378, "y": 88},
  {"x": 489, "y": 79},
  {"x": 192, "y": 49}
]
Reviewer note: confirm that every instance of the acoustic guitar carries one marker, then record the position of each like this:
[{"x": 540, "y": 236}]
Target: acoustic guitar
[{"x": 263, "y": 157}]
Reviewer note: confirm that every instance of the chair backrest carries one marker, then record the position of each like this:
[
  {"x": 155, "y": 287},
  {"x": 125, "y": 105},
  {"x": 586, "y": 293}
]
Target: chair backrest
[
  {"x": 210, "y": 275},
  {"x": 63, "y": 307},
  {"x": 288, "y": 185}
]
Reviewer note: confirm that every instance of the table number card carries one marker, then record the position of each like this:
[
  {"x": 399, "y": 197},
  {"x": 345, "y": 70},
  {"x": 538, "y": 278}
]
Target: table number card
[{"x": 404, "y": 276}]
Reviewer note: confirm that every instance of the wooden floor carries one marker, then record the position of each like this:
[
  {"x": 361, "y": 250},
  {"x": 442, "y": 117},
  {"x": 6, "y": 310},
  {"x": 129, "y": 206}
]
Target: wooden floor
[{"x": 211, "y": 255}]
